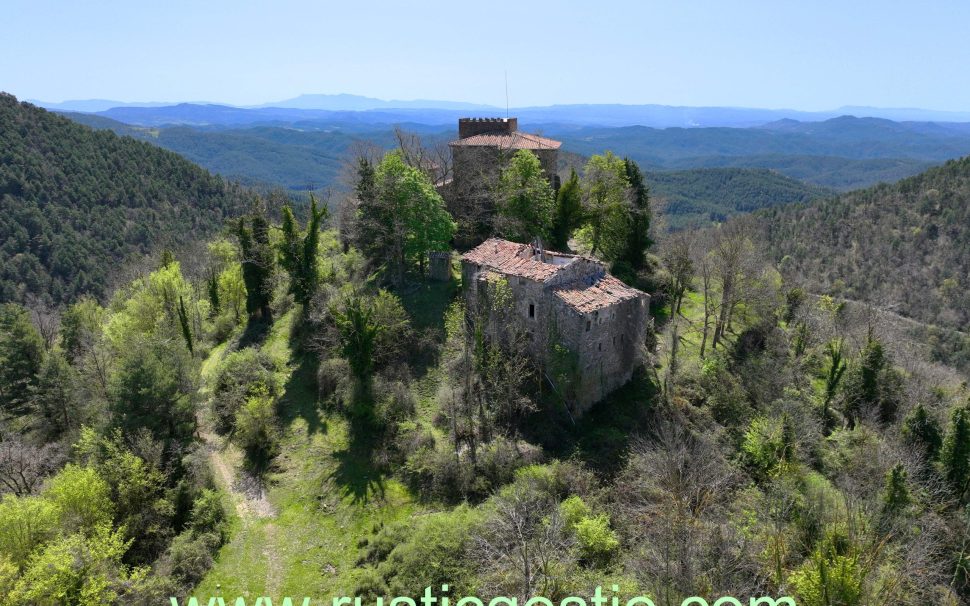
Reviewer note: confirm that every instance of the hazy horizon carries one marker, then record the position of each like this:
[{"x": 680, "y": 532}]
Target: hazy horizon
[
  {"x": 706, "y": 54},
  {"x": 391, "y": 99}
]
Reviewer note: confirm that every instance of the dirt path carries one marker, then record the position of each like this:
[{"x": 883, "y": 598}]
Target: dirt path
[{"x": 248, "y": 495}]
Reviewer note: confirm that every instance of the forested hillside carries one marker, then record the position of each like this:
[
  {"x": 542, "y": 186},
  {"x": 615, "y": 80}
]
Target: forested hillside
[
  {"x": 903, "y": 246},
  {"x": 706, "y": 195},
  {"x": 75, "y": 203}
]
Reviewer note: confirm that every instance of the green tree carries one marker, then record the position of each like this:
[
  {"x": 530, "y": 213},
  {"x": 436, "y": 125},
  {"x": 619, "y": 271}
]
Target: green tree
[
  {"x": 923, "y": 430},
  {"x": 81, "y": 326},
  {"x": 298, "y": 252},
  {"x": 256, "y": 431},
  {"x": 21, "y": 356},
  {"x": 896, "y": 494},
  {"x": 638, "y": 222},
  {"x": 25, "y": 523},
  {"x": 569, "y": 212},
  {"x": 53, "y": 396},
  {"x": 150, "y": 389},
  {"x": 82, "y": 499},
  {"x": 836, "y": 368},
  {"x": 184, "y": 325},
  {"x": 955, "y": 456},
  {"x": 137, "y": 491},
  {"x": 212, "y": 289},
  {"x": 597, "y": 541},
  {"x": 606, "y": 201},
  {"x": 871, "y": 382},
  {"x": 257, "y": 264},
  {"x": 82, "y": 569},
  {"x": 526, "y": 203},
  {"x": 371, "y": 216},
  {"x": 407, "y": 218}
]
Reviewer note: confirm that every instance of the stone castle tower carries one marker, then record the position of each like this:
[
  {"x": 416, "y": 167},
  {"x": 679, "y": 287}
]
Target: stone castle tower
[{"x": 481, "y": 151}]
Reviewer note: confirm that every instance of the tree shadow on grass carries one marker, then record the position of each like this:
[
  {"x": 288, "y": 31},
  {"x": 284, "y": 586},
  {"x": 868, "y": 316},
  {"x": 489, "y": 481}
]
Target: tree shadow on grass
[
  {"x": 255, "y": 333},
  {"x": 356, "y": 474},
  {"x": 301, "y": 399},
  {"x": 426, "y": 302}
]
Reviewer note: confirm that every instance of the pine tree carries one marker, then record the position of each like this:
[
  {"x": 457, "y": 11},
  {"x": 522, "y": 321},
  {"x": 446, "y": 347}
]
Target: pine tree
[
  {"x": 837, "y": 366},
  {"x": 955, "y": 456},
  {"x": 896, "y": 496},
  {"x": 21, "y": 356},
  {"x": 922, "y": 430},
  {"x": 861, "y": 385}
]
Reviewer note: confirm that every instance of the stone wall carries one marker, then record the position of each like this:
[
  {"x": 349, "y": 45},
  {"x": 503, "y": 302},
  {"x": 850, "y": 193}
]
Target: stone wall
[
  {"x": 469, "y": 127},
  {"x": 606, "y": 343}
]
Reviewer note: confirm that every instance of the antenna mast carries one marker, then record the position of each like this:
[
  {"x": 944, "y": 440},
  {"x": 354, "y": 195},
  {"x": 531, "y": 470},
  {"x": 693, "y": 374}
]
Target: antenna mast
[{"x": 506, "y": 94}]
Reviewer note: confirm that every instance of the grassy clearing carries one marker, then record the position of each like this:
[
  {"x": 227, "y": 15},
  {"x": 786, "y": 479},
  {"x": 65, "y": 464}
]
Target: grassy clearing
[{"x": 325, "y": 493}]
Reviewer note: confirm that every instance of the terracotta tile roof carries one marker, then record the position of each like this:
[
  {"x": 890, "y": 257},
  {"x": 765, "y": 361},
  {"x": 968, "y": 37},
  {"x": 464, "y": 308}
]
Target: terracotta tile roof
[
  {"x": 595, "y": 293},
  {"x": 510, "y": 258},
  {"x": 514, "y": 140},
  {"x": 584, "y": 295}
]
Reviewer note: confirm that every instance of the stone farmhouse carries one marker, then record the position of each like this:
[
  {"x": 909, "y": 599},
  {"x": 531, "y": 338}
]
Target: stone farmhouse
[
  {"x": 482, "y": 149},
  {"x": 563, "y": 302}
]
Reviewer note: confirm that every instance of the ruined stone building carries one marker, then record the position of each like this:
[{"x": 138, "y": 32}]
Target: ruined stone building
[
  {"x": 572, "y": 310},
  {"x": 481, "y": 151}
]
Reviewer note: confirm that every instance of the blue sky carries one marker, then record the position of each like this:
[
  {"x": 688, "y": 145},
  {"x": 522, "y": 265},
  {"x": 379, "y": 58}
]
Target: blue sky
[{"x": 781, "y": 54}]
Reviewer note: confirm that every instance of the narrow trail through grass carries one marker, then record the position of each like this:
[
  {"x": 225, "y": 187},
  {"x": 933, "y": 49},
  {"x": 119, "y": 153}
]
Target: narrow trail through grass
[{"x": 322, "y": 497}]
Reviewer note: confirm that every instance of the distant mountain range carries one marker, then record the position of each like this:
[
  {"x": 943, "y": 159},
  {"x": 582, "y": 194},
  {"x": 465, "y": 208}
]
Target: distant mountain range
[
  {"x": 368, "y": 110},
  {"x": 345, "y": 102}
]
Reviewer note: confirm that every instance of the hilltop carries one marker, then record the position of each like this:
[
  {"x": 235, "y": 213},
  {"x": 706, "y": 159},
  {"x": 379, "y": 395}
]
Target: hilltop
[{"x": 77, "y": 202}]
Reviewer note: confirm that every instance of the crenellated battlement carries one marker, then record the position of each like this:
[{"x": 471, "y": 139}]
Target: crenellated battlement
[{"x": 469, "y": 127}]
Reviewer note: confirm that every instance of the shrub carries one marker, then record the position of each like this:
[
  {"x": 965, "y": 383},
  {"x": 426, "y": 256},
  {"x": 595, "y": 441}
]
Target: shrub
[
  {"x": 208, "y": 514},
  {"x": 333, "y": 378},
  {"x": 190, "y": 556},
  {"x": 597, "y": 541},
  {"x": 256, "y": 429},
  {"x": 393, "y": 403},
  {"x": 574, "y": 510},
  {"x": 434, "y": 553},
  {"x": 242, "y": 375}
]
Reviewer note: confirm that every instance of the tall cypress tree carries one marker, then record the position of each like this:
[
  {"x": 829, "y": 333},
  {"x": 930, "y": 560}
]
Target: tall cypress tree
[
  {"x": 257, "y": 264},
  {"x": 298, "y": 252},
  {"x": 212, "y": 284},
  {"x": 184, "y": 323},
  {"x": 638, "y": 236},
  {"x": 569, "y": 211}
]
